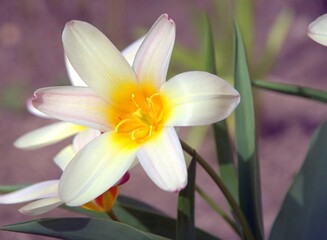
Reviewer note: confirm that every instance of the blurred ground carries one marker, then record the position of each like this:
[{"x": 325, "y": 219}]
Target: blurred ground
[{"x": 31, "y": 57}]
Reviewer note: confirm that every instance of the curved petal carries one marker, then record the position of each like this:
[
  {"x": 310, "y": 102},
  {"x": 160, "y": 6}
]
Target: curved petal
[
  {"x": 45, "y": 189},
  {"x": 41, "y": 206},
  {"x": 163, "y": 160},
  {"x": 33, "y": 110},
  {"x": 130, "y": 51},
  {"x": 96, "y": 60},
  {"x": 317, "y": 30},
  {"x": 83, "y": 138},
  {"x": 47, "y": 135},
  {"x": 64, "y": 157},
  {"x": 79, "y": 105},
  {"x": 96, "y": 168},
  {"x": 74, "y": 78},
  {"x": 198, "y": 98},
  {"x": 152, "y": 59}
]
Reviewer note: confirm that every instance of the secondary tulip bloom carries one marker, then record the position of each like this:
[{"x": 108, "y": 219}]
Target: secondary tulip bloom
[
  {"x": 317, "y": 30},
  {"x": 134, "y": 107},
  {"x": 44, "y": 196}
]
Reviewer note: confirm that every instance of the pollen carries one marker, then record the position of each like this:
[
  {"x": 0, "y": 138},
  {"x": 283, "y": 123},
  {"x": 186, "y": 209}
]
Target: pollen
[{"x": 144, "y": 120}]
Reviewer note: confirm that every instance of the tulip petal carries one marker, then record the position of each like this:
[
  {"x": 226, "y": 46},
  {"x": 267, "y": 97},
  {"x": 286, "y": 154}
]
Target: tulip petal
[
  {"x": 163, "y": 160},
  {"x": 130, "y": 51},
  {"x": 46, "y": 189},
  {"x": 152, "y": 59},
  {"x": 47, "y": 135},
  {"x": 41, "y": 206},
  {"x": 317, "y": 30},
  {"x": 79, "y": 105},
  {"x": 33, "y": 110},
  {"x": 83, "y": 138},
  {"x": 96, "y": 168},
  {"x": 74, "y": 78},
  {"x": 198, "y": 98},
  {"x": 64, "y": 157},
  {"x": 96, "y": 60}
]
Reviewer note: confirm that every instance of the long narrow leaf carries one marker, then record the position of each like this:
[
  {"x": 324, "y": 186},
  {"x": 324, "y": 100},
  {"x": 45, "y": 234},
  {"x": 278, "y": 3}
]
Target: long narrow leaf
[
  {"x": 11, "y": 188},
  {"x": 304, "y": 211},
  {"x": 290, "y": 89},
  {"x": 248, "y": 166},
  {"x": 144, "y": 217},
  {"x": 81, "y": 229},
  {"x": 223, "y": 147},
  {"x": 185, "y": 214}
]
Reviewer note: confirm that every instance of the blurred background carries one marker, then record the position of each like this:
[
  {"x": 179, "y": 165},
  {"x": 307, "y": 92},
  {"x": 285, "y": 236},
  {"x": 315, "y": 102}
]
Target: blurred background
[{"x": 31, "y": 57}]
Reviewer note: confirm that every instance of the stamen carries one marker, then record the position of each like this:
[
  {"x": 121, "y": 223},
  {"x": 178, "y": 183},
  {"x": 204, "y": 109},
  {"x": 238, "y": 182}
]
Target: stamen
[
  {"x": 145, "y": 120},
  {"x": 133, "y": 100}
]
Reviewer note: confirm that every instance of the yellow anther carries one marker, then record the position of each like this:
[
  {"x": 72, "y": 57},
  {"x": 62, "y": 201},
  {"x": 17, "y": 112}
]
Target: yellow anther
[{"x": 145, "y": 120}]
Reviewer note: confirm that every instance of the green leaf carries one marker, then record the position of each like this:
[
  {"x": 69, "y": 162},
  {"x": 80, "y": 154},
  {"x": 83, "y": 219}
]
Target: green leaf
[
  {"x": 290, "y": 89},
  {"x": 248, "y": 166},
  {"x": 143, "y": 217},
  {"x": 223, "y": 147},
  {"x": 209, "y": 49},
  {"x": 157, "y": 222},
  {"x": 303, "y": 214},
  {"x": 11, "y": 188},
  {"x": 245, "y": 16},
  {"x": 276, "y": 37},
  {"x": 81, "y": 229},
  {"x": 185, "y": 213}
]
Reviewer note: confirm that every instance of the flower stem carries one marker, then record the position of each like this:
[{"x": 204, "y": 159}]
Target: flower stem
[
  {"x": 215, "y": 177},
  {"x": 217, "y": 209}
]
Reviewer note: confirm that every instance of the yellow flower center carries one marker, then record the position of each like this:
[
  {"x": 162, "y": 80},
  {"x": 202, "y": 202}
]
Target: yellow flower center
[{"x": 144, "y": 119}]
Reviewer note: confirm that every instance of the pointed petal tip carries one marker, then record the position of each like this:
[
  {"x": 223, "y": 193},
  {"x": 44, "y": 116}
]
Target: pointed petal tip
[
  {"x": 168, "y": 17},
  {"x": 317, "y": 30}
]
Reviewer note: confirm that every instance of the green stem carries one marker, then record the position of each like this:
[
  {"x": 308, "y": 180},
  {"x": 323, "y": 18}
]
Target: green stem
[
  {"x": 290, "y": 89},
  {"x": 229, "y": 197},
  {"x": 216, "y": 208}
]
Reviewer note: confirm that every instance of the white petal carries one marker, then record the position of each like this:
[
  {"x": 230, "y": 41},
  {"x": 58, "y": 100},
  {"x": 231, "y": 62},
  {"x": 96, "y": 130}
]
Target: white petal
[
  {"x": 96, "y": 168},
  {"x": 198, "y": 98},
  {"x": 45, "y": 189},
  {"x": 152, "y": 60},
  {"x": 47, "y": 135},
  {"x": 130, "y": 51},
  {"x": 33, "y": 110},
  {"x": 83, "y": 138},
  {"x": 317, "y": 30},
  {"x": 64, "y": 157},
  {"x": 96, "y": 60},
  {"x": 163, "y": 160},
  {"x": 41, "y": 206},
  {"x": 79, "y": 105},
  {"x": 73, "y": 75}
]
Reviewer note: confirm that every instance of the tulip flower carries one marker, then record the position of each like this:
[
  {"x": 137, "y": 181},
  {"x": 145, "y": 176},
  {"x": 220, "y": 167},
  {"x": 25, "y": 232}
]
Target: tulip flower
[
  {"x": 135, "y": 108},
  {"x": 317, "y": 30}
]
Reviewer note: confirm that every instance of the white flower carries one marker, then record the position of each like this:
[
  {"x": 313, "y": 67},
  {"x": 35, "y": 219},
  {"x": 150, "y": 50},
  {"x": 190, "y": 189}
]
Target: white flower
[
  {"x": 134, "y": 107},
  {"x": 317, "y": 30}
]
